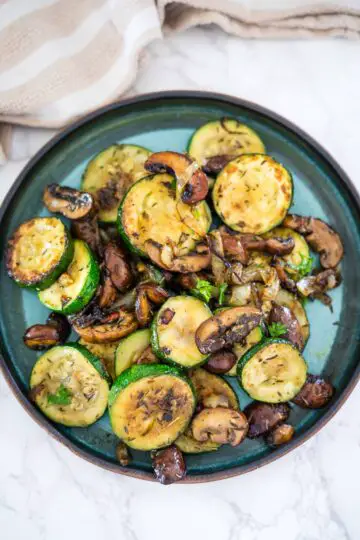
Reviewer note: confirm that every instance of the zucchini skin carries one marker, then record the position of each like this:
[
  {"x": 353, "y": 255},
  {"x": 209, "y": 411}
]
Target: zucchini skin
[
  {"x": 52, "y": 275},
  {"x": 94, "y": 360},
  {"x": 87, "y": 292},
  {"x": 138, "y": 372}
]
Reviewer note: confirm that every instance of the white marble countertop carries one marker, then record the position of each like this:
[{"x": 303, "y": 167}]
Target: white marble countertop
[{"x": 46, "y": 492}]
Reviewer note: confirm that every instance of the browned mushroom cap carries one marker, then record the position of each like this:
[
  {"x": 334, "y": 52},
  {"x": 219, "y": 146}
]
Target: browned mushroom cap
[
  {"x": 193, "y": 182},
  {"x": 263, "y": 417},
  {"x": 118, "y": 268},
  {"x": 164, "y": 257},
  {"x": 315, "y": 393},
  {"x": 284, "y": 315},
  {"x": 143, "y": 308},
  {"x": 215, "y": 164},
  {"x": 220, "y": 425},
  {"x": 41, "y": 336},
  {"x": 67, "y": 201},
  {"x": 320, "y": 283},
  {"x": 225, "y": 328},
  {"x": 122, "y": 453},
  {"x": 61, "y": 324},
  {"x": 284, "y": 278},
  {"x": 88, "y": 230},
  {"x": 108, "y": 292},
  {"x": 154, "y": 292},
  {"x": 280, "y": 435},
  {"x": 220, "y": 362},
  {"x": 320, "y": 236},
  {"x": 169, "y": 465},
  {"x": 112, "y": 327}
]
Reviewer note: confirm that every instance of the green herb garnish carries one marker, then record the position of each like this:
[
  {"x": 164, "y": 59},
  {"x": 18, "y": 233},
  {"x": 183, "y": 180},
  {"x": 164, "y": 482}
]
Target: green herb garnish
[
  {"x": 61, "y": 397},
  {"x": 173, "y": 183},
  {"x": 304, "y": 268},
  {"x": 277, "y": 329},
  {"x": 203, "y": 290},
  {"x": 222, "y": 290},
  {"x": 196, "y": 213}
]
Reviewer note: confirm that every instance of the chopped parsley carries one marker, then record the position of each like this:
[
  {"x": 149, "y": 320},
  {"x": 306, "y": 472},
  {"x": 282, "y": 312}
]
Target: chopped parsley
[
  {"x": 304, "y": 267},
  {"x": 222, "y": 290},
  {"x": 203, "y": 290},
  {"x": 61, "y": 397},
  {"x": 277, "y": 329}
]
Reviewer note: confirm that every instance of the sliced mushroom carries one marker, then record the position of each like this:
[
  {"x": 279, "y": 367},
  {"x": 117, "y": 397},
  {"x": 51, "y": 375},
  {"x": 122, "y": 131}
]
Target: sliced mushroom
[
  {"x": 315, "y": 393},
  {"x": 112, "y": 327},
  {"x": 118, "y": 268},
  {"x": 280, "y": 435},
  {"x": 319, "y": 283},
  {"x": 41, "y": 336},
  {"x": 263, "y": 417},
  {"x": 232, "y": 245},
  {"x": 225, "y": 328},
  {"x": 67, "y": 201},
  {"x": 88, "y": 230},
  {"x": 219, "y": 265},
  {"x": 284, "y": 278},
  {"x": 320, "y": 236},
  {"x": 154, "y": 292},
  {"x": 215, "y": 164},
  {"x": 220, "y": 362},
  {"x": 109, "y": 196},
  {"x": 164, "y": 257},
  {"x": 284, "y": 315},
  {"x": 192, "y": 181},
  {"x": 220, "y": 425},
  {"x": 122, "y": 453},
  {"x": 108, "y": 292},
  {"x": 270, "y": 290},
  {"x": 61, "y": 324},
  {"x": 169, "y": 465},
  {"x": 143, "y": 310},
  {"x": 166, "y": 316}
]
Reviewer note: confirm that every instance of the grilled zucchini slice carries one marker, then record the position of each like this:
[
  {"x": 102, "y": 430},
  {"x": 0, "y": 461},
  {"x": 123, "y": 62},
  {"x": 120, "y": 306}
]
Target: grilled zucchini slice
[
  {"x": 299, "y": 258},
  {"x": 174, "y": 341},
  {"x": 273, "y": 371},
  {"x": 115, "y": 169},
  {"x": 104, "y": 351},
  {"x": 74, "y": 289},
  {"x": 256, "y": 335},
  {"x": 151, "y": 211},
  {"x": 227, "y": 136},
  {"x": 130, "y": 349},
  {"x": 151, "y": 405},
  {"x": 212, "y": 390},
  {"x": 252, "y": 194},
  {"x": 70, "y": 385},
  {"x": 289, "y": 300},
  {"x": 38, "y": 252}
]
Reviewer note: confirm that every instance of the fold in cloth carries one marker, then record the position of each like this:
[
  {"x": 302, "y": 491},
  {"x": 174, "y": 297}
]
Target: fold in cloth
[{"x": 58, "y": 63}]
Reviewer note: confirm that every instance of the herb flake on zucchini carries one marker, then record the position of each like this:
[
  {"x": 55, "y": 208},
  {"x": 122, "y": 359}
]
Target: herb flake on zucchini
[
  {"x": 174, "y": 341},
  {"x": 38, "y": 252},
  {"x": 253, "y": 193},
  {"x": 70, "y": 385},
  {"x": 273, "y": 371},
  {"x": 151, "y": 405},
  {"x": 74, "y": 289},
  {"x": 110, "y": 173}
]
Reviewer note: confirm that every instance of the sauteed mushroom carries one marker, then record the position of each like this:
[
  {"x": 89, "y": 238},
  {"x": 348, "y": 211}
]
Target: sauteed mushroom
[
  {"x": 319, "y": 283},
  {"x": 220, "y": 425},
  {"x": 164, "y": 257},
  {"x": 283, "y": 315},
  {"x": 315, "y": 393},
  {"x": 263, "y": 417},
  {"x": 67, "y": 201},
  {"x": 41, "y": 336},
  {"x": 118, "y": 268},
  {"x": 215, "y": 164},
  {"x": 220, "y": 362},
  {"x": 112, "y": 327},
  {"x": 280, "y": 435},
  {"x": 169, "y": 465}
]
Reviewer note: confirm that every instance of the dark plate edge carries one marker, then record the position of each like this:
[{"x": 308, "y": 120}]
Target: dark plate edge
[{"x": 184, "y": 94}]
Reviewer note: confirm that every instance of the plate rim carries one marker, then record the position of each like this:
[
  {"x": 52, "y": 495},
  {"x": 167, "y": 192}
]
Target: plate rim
[{"x": 51, "y": 428}]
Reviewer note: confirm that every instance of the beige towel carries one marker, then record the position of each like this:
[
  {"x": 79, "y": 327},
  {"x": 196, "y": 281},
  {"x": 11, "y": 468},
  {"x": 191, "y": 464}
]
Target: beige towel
[{"x": 60, "y": 59}]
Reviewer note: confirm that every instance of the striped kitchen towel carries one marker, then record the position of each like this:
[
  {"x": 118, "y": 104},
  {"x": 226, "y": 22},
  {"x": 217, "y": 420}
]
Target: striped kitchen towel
[{"x": 61, "y": 58}]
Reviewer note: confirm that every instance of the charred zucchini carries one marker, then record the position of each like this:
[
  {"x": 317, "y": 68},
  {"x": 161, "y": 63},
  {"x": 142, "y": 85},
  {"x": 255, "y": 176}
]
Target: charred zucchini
[
  {"x": 151, "y": 405},
  {"x": 109, "y": 175},
  {"x": 252, "y": 194},
  {"x": 273, "y": 371},
  {"x": 70, "y": 385},
  {"x": 187, "y": 444},
  {"x": 38, "y": 252},
  {"x": 75, "y": 287},
  {"x": 174, "y": 340}
]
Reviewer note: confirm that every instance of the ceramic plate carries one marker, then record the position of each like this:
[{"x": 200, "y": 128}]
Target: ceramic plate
[{"x": 165, "y": 121}]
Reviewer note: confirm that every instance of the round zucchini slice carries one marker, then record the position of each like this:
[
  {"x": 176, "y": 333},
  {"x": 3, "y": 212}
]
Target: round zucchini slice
[
  {"x": 212, "y": 390},
  {"x": 227, "y": 136},
  {"x": 273, "y": 371},
  {"x": 38, "y": 252},
  {"x": 174, "y": 341},
  {"x": 130, "y": 349},
  {"x": 113, "y": 171},
  {"x": 252, "y": 194},
  {"x": 151, "y": 405},
  {"x": 240, "y": 349},
  {"x": 74, "y": 289},
  {"x": 151, "y": 211},
  {"x": 289, "y": 300},
  {"x": 70, "y": 385},
  {"x": 104, "y": 351},
  {"x": 187, "y": 444},
  {"x": 297, "y": 261}
]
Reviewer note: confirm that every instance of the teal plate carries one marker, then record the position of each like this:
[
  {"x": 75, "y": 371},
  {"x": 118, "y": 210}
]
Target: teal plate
[{"x": 165, "y": 121}]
